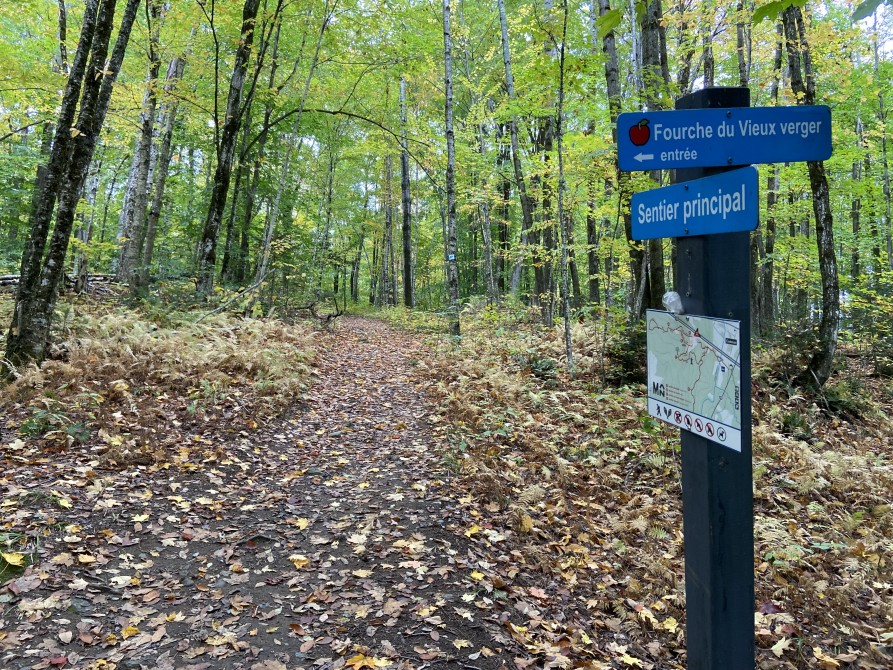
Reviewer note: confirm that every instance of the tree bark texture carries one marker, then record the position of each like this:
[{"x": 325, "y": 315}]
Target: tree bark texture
[
  {"x": 92, "y": 74},
  {"x": 450, "y": 243},
  {"x": 655, "y": 77},
  {"x": 136, "y": 195},
  {"x": 520, "y": 184},
  {"x": 406, "y": 204},
  {"x": 803, "y": 85},
  {"x": 225, "y": 150}
]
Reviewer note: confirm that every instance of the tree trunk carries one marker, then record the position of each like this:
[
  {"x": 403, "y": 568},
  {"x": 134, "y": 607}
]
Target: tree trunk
[
  {"x": 167, "y": 118},
  {"x": 450, "y": 245},
  {"x": 273, "y": 212},
  {"x": 856, "y": 208},
  {"x": 655, "y": 77},
  {"x": 882, "y": 117},
  {"x": 406, "y": 203},
  {"x": 67, "y": 169},
  {"x": 562, "y": 187},
  {"x": 225, "y": 145},
  {"x": 803, "y": 85},
  {"x": 133, "y": 212},
  {"x": 526, "y": 205}
]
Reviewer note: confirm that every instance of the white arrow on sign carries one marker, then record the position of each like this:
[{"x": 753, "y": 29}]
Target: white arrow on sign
[{"x": 644, "y": 157}]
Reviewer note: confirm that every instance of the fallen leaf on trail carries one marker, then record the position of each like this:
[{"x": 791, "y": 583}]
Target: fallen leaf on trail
[
  {"x": 477, "y": 576},
  {"x": 13, "y": 558},
  {"x": 630, "y": 660},
  {"x": 362, "y": 574},
  {"x": 461, "y": 644},
  {"x": 300, "y": 524},
  {"x": 66, "y": 636},
  {"x": 779, "y": 647},
  {"x": 86, "y": 558},
  {"x": 363, "y": 661},
  {"x": 129, "y": 631},
  {"x": 139, "y": 518},
  {"x": 471, "y": 531},
  {"x": 299, "y": 560}
]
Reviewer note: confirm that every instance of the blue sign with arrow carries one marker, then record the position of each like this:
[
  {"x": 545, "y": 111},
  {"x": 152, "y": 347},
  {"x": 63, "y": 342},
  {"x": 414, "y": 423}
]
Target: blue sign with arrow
[
  {"x": 723, "y": 137},
  {"x": 724, "y": 203}
]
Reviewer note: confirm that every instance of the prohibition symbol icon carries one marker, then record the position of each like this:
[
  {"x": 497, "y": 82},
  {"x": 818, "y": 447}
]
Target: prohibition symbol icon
[
  {"x": 688, "y": 421},
  {"x": 698, "y": 425},
  {"x": 721, "y": 434},
  {"x": 678, "y": 417},
  {"x": 710, "y": 429}
]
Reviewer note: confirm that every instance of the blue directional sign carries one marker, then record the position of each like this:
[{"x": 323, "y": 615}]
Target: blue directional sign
[
  {"x": 723, "y": 137},
  {"x": 724, "y": 203}
]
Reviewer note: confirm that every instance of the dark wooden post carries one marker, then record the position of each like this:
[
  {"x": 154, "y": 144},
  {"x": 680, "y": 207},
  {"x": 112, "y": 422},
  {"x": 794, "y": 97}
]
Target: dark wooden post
[{"x": 713, "y": 278}]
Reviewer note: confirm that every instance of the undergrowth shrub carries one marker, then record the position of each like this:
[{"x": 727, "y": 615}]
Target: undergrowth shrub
[{"x": 122, "y": 371}]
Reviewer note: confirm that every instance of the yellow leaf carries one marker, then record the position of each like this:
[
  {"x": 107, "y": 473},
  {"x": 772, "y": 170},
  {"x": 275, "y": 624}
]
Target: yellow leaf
[
  {"x": 86, "y": 558},
  {"x": 13, "y": 558},
  {"x": 629, "y": 660},
  {"x": 75, "y": 132},
  {"x": 779, "y": 647},
  {"x": 477, "y": 576},
  {"x": 461, "y": 644},
  {"x": 670, "y": 624},
  {"x": 824, "y": 660},
  {"x": 300, "y": 524},
  {"x": 362, "y": 661},
  {"x": 362, "y": 574},
  {"x": 471, "y": 531},
  {"x": 130, "y": 631},
  {"x": 139, "y": 518},
  {"x": 299, "y": 560}
]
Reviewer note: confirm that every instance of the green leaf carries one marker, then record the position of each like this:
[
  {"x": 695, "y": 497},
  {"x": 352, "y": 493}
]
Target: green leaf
[
  {"x": 608, "y": 21},
  {"x": 773, "y": 10},
  {"x": 865, "y": 9}
]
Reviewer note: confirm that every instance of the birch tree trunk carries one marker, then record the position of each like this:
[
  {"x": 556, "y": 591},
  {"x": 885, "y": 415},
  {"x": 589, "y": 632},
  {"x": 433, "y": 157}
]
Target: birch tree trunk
[
  {"x": 133, "y": 212},
  {"x": 225, "y": 145},
  {"x": 167, "y": 118},
  {"x": 452, "y": 269},
  {"x": 40, "y": 276},
  {"x": 803, "y": 85},
  {"x": 520, "y": 184}
]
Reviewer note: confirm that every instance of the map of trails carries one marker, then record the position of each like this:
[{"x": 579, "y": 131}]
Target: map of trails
[{"x": 694, "y": 375}]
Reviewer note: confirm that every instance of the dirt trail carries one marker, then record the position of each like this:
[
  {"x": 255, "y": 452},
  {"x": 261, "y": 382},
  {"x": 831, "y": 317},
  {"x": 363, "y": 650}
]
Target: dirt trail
[{"x": 329, "y": 539}]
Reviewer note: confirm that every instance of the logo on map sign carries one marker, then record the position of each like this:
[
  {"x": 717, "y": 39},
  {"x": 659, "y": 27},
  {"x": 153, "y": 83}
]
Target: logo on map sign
[{"x": 640, "y": 133}]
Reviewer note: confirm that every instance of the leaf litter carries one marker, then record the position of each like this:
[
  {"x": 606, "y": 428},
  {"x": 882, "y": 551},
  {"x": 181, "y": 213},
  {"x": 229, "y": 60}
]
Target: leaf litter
[
  {"x": 323, "y": 537},
  {"x": 518, "y": 524}
]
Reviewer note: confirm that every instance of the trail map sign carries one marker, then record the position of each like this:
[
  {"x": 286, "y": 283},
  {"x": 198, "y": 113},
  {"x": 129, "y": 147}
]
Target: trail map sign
[
  {"x": 694, "y": 375},
  {"x": 719, "y": 137}
]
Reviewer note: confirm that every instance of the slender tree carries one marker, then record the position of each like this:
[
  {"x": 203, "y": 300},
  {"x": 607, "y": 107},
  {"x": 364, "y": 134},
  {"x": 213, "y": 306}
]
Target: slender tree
[
  {"x": 88, "y": 91},
  {"x": 450, "y": 246},
  {"x": 803, "y": 85},
  {"x": 225, "y": 133}
]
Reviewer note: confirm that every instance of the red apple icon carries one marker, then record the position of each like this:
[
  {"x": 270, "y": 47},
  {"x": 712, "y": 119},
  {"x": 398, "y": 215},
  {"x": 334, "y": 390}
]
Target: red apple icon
[{"x": 640, "y": 133}]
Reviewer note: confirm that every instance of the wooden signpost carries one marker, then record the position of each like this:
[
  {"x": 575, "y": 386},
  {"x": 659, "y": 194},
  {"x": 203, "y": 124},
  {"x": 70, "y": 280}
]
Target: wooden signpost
[{"x": 702, "y": 140}]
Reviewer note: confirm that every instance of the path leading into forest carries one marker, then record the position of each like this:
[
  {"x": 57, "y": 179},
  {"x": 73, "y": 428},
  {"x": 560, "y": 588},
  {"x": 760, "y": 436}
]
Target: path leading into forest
[{"x": 329, "y": 539}]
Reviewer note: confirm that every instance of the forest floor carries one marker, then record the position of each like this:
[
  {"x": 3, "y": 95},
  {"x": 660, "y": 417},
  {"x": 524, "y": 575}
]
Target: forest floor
[{"x": 393, "y": 517}]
